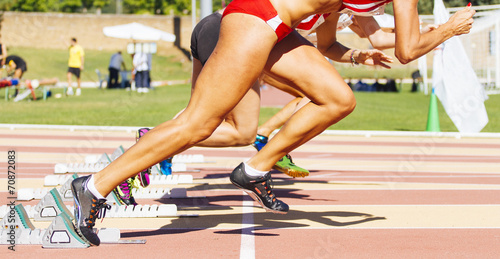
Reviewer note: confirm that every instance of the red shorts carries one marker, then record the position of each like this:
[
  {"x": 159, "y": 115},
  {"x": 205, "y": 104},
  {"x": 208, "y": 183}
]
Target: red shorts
[{"x": 262, "y": 9}]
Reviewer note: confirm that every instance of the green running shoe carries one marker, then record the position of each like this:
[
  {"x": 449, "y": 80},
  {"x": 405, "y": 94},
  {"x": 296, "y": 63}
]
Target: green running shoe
[{"x": 286, "y": 165}]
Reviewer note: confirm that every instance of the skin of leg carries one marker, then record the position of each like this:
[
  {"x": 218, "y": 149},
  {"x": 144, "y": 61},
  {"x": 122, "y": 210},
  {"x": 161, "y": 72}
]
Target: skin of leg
[
  {"x": 278, "y": 119},
  {"x": 282, "y": 116},
  {"x": 240, "y": 125},
  {"x": 79, "y": 81},
  {"x": 225, "y": 72},
  {"x": 331, "y": 98},
  {"x": 68, "y": 75}
]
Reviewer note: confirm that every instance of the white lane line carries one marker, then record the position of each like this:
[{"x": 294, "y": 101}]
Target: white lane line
[{"x": 247, "y": 248}]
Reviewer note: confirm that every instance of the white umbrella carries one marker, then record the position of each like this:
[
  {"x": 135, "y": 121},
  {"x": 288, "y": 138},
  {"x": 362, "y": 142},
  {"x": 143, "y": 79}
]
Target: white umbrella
[{"x": 137, "y": 31}]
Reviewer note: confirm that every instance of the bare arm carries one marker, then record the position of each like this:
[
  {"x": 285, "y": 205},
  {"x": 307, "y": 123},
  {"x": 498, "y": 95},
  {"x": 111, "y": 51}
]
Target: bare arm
[
  {"x": 411, "y": 44},
  {"x": 331, "y": 48},
  {"x": 83, "y": 62},
  {"x": 368, "y": 27}
]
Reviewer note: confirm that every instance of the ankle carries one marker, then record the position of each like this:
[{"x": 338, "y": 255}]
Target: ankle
[
  {"x": 92, "y": 188},
  {"x": 250, "y": 171}
]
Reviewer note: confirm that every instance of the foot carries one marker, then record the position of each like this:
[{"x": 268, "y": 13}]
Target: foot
[
  {"x": 166, "y": 166},
  {"x": 258, "y": 188},
  {"x": 286, "y": 166},
  {"x": 78, "y": 92},
  {"x": 124, "y": 192},
  {"x": 143, "y": 176},
  {"x": 87, "y": 210},
  {"x": 260, "y": 142},
  {"x": 69, "y": 91}
]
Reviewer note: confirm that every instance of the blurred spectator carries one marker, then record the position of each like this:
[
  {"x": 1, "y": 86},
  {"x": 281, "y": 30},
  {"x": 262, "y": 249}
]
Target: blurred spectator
[
  {"x": 115, "y": 64},
  {"x": 417, "y": 79},
  {"x": 3, "y": 54},
  {"x": 16, "y": 66},
  {"x": 141, "y": 69},
  {"x": 75, "y": 65}
]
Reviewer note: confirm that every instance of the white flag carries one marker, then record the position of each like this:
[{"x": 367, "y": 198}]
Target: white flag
[{"x": 455, "y": 83}]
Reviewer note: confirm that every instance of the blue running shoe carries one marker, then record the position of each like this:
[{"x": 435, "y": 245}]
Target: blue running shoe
[
  {"x": 166, "y": 166},
  {"x": 260, "y": 142}
]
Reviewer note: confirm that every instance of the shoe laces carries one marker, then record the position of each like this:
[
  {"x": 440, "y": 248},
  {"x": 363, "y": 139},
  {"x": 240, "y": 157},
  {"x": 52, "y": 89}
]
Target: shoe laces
[
  {"x": 135, "y": 182},
  {"x": 97, "y": 211},
  {"x": 267, "y": 182}
]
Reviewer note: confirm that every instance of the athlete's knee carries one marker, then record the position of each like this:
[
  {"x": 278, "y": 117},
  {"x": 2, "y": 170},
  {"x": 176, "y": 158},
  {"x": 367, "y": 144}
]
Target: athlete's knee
[
  {"x": 201, "y": 130},
  {"x": 342, "y": 104},
  {"x": 348, "y": 103},
  {"x": 246, "y": 138}
]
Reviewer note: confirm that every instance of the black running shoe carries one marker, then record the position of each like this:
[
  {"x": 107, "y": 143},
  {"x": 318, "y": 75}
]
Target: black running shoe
[
  {"x": 258, "y": 188},
  {"x": 87, "y": 209}
]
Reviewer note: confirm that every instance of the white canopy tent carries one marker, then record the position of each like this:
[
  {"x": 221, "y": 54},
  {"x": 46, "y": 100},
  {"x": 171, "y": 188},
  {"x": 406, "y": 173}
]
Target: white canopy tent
[{"x": 137, "y": 31}]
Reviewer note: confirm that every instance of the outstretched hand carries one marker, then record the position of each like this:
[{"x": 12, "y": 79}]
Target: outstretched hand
[
  {"x": 374, "y": 57},
  {"x": 461, "y": 21}
]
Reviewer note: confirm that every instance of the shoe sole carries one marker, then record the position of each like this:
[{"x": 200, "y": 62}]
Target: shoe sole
[
  {"x": 257, "y": 199},
  {"x": 77, "y": 212},
  {"x": 291, "y": 172}
]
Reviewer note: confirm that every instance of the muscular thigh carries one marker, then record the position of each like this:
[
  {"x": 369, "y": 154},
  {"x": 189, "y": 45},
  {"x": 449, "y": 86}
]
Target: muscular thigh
[
  {"x": 296, "y": 62},
  {"x": 238, "y": 59}
]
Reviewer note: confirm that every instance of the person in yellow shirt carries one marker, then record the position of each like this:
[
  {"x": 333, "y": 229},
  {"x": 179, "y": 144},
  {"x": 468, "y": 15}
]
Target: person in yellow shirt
[{"x": 75, "y": 65}]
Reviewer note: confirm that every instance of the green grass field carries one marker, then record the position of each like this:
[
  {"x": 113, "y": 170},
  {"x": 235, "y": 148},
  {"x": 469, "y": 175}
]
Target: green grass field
[
  {"x": 50, "y": 63},
  {"x": 403, "y": 111}
]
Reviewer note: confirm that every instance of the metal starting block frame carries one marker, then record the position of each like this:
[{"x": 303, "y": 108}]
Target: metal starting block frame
[
  {"x": 61, "y": 234},
  {"x": 27, "y": 194},
  {"x": 88, "y": 167},
  {"x": 50, "y": 206},
  {"x": 116, "y": 211},
  {"x": 20, "y": 227}
]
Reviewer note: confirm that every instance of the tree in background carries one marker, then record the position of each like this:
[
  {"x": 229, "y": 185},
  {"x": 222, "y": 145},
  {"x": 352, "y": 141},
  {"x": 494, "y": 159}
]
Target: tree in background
[
  {"x": 98, "y": 4},
  {"x": 426, "y": 6},
  {"x": 71, "y": 6},
  {"x": 34, "y": 5},
  {"x": 178, "y": 7},
  {"x": 6, "y": 5}
]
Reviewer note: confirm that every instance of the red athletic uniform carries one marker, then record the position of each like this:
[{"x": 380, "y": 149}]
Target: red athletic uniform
[
  {"x": 262, "y": 9},
  {"x": 265, "y": 10},
  {"x": 364, "y": 7},
  {"x": 349, "y": 7}
]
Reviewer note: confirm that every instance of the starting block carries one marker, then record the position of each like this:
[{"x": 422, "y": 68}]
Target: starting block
[
  {"x": 65, "y": 190},
  {"x": 61, "y": 234},
  {"x": 171, "y": 179},
  {"x": 188, "y": 159},
  {"x": 79, "y": 167},
  {"x": 91, "y": 165},
  {"x": 50, "y": 206},
  {"x": 27, "y": 194},
  {"x": 21, "y": 227},
  {"x": 118, "y": 152},
  {"x": 55, "y": 180}
]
